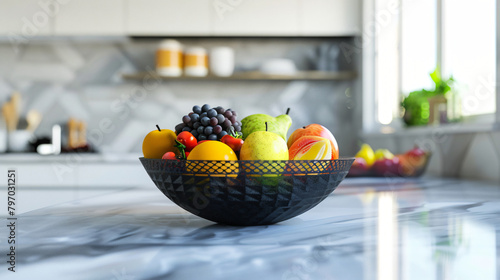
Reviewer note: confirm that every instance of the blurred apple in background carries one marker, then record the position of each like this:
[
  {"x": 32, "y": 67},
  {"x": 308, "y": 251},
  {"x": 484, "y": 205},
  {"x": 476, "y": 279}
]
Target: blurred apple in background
[
  {"x": 366, "y": 152},
  {"x": 387, "y": 167},
  {"x": 413, "y": 162},
  {"x": 359, "y": 167}
]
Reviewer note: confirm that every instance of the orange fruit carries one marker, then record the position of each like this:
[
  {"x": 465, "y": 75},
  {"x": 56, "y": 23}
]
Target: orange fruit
[{"x": 210, "y": 152}]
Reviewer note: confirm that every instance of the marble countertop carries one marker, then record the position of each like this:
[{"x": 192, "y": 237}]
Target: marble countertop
[{"x": 367, "y": 229}]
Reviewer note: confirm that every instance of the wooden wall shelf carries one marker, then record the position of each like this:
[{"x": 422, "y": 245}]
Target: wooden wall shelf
[{"x": 253, "y": 76}]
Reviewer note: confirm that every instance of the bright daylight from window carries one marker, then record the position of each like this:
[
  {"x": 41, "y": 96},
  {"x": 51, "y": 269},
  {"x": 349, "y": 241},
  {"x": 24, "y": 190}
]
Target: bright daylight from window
[
  {"x": 469, "y": 52},
  {"x": 461, "y": 39}
]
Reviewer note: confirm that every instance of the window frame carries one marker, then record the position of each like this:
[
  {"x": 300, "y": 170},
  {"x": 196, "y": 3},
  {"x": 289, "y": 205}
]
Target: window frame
[{"x": 370, "y": 122}]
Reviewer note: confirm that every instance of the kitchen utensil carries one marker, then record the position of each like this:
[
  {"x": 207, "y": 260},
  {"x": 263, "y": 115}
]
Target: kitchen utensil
[
  {"x": 33, "y": 118},
  {"x": 221, "y": 61},
  {"x": 195, "y": 62},
  {"x": 72, "y": 133},
  {"x": 169, "y": 59},
  {"x": 15, "y": 99},
  {"x": 82, "y": 135},
  {"x": 19, "y": 141},
  {"x": 10, "y": 116},
  {"x": 250, "y": 192}
]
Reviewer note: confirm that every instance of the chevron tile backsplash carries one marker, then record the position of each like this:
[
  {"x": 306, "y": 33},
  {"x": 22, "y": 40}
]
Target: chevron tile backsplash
[{"x": 83, "y": 80}]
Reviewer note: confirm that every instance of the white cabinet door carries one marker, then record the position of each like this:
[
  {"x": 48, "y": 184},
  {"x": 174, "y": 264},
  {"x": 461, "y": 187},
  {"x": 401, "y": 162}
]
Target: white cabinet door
[
  {"x": 256, "y": 17},
  {"x": 91, "y": 17},
  {"x": 169, "y": 17},
  {"x": 330, "y": 17},
  {"x": 26, "y": 18}
]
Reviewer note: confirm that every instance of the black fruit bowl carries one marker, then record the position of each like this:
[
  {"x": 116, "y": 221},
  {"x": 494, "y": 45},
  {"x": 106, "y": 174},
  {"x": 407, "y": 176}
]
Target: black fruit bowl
[{"x": 247, "y": 193}]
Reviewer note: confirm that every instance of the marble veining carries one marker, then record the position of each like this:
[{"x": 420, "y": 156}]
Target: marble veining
[{"x": 367, "y": 229}]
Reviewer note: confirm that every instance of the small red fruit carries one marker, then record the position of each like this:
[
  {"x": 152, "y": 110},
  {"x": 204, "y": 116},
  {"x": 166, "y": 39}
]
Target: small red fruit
[
  {"x": 234, "y": 143},
  {"x": 187, "y": 139},
  {"x": 169, "y": 155}
]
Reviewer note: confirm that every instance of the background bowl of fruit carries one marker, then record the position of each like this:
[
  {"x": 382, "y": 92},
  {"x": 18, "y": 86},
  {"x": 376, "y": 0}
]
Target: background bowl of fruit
[
  {"x": 243, "y": 173},
  {"x": 382, "y": 163}
]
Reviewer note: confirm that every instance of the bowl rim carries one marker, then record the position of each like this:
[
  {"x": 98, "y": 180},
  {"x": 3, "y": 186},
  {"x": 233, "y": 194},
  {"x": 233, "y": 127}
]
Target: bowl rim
[{"x": 293, "y": 160}]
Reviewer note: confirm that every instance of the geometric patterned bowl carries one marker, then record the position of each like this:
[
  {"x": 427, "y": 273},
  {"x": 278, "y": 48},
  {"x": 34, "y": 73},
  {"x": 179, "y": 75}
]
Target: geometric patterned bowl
[{"x": 247, "y": 193}]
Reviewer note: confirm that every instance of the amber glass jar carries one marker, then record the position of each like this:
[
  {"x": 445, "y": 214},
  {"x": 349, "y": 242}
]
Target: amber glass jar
[{"x": 169, "y": 58}]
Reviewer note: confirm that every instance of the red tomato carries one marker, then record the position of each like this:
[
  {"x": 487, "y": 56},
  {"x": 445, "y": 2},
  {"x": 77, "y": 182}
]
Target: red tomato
[
  {"x": 187, "y": 139},
  {"x": 169, "y": 155},
  {"x": 234, "y": 143}
]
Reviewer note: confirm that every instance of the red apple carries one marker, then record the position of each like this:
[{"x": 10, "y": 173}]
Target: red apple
[
  {"x": 359, "y": 167},
  {"x": 315, "y": 130},
  {"x": 416, "y": 157},
  {"x": 413, "y": 162},
  {"x": 387, "y": 167}
]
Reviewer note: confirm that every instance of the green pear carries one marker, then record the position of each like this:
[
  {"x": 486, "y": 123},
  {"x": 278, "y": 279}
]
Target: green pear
[
  {"x": 257, "y": 122},
  {"x": 264, "y": 145}
]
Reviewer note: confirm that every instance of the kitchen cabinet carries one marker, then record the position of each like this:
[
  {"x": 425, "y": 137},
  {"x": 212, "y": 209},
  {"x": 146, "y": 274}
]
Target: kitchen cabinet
[
  {"x": 330, "y": 18},
  {"x": 26, "y": 18},
  {"x": 91, "y": 17},
  {"x": 256, "y": 18},
  {"x": 169, "y": 17}
]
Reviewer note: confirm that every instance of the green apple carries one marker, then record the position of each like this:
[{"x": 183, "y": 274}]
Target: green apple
[{"x": 257, "y": 122}]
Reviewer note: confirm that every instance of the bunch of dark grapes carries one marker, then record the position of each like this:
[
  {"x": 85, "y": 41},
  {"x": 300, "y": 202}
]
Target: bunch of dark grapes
[{"x": 207, "y": 123}]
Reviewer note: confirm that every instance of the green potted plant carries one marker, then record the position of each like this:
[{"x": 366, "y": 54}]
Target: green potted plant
[{"x": 423, "y": 107}]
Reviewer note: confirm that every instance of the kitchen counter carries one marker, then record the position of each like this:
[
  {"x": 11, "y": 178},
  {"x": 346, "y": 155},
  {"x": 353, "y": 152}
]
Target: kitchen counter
[
  {"x": 75, "y": 170},
  {"x": 367, "y": 229}
]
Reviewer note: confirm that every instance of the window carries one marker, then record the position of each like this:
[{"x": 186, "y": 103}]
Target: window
[
  {"x": 457, "y": 35},
  {"x": 468, "y": 50}
]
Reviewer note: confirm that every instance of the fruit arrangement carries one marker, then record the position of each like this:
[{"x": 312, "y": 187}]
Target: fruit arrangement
[
  {"x": 383, "y": 163},
  {"x": 243, "y": 173},
  {"x": 215, "y": 134}
]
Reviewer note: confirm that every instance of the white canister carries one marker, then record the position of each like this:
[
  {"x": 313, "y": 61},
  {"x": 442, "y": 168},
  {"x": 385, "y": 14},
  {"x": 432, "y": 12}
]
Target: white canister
[
  {"x": 222, "y": 61},
  {"x": 3, "y": 135},
  {"x": 3, "y": 140},
  {"x": 19, "y": 141},
  {"x": 169, "y": 58},
  {"x": 195, "y": 62}
]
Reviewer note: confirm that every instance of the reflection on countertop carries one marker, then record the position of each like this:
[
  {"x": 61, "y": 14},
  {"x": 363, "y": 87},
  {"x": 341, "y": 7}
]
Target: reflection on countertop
[{"x": 367, "y": 229}]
